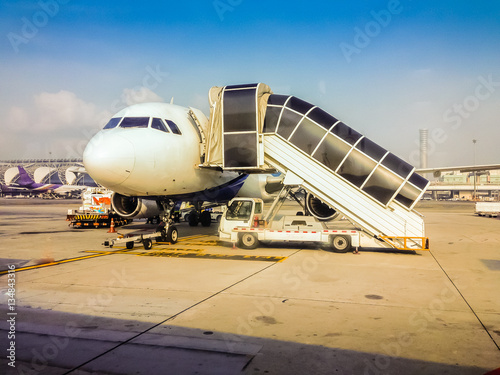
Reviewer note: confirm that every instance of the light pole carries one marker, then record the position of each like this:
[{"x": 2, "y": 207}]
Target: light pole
[
  {"x": 50, "y": 161},
  {"x": 474, "y": 141}
]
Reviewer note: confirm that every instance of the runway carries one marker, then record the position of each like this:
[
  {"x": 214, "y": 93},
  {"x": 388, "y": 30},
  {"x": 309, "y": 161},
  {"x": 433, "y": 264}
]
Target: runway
[{"x": 202, "y": 307}]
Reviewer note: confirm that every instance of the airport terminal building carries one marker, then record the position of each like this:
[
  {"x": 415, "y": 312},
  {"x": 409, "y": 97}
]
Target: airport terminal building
[{"x": 47, "y": 171}]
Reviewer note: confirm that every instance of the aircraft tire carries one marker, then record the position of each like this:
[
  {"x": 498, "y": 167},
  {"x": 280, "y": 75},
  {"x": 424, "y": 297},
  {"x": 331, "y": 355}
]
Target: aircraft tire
[
  {"x": 248, "y": 241},
  {"x": 205, "y": 219},
  {"x": 193, "y": 219},
  {"x": 341, "y": 244},
  {"x": 148, "y": 244},
  {"x": 172, "y": 235},
  {"x": 129, "y": 245}
]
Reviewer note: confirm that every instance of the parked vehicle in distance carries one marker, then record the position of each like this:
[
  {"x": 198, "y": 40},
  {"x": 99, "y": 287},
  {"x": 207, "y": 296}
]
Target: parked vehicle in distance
[{"x": 491, "y": 209}]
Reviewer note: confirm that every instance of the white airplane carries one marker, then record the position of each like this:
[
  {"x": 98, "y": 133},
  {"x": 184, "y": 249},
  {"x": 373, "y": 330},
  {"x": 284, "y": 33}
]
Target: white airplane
[{"x": 149, "y": 155}]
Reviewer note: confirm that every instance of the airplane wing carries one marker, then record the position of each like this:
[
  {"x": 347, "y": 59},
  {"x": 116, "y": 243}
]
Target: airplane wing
[{"x": 469, "y": 168}]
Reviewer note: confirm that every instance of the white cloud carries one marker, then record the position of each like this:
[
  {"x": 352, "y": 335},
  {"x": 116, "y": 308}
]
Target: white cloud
[
  {"x": 58, "y": 122},
  {"x": 17, "y": 118},
  {"x": 61, "y": 110},
  {"x": 51, "y": 112}
]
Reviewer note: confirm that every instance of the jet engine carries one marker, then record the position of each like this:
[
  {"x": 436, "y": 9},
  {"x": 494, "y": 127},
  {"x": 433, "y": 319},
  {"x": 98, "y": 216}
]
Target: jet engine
[
  {"x": 133, "y": 207},
  {"x": 262, "y": 186},
  {"x": 320, "y": 210}
]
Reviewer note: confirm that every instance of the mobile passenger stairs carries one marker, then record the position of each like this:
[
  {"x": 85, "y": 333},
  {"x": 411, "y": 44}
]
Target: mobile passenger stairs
[{"x": 252, "y": 130}]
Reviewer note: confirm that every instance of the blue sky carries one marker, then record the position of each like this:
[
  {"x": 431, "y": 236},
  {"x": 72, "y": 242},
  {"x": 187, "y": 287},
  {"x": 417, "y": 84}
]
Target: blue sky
[{"x": 386, "y": 68}]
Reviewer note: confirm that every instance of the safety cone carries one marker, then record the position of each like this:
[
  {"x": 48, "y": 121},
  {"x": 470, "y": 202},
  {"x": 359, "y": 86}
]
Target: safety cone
[{"x": 112, "y": 227}]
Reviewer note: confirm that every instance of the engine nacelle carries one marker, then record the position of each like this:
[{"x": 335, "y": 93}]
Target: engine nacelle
[
  {"x": 133, "y": 207},
  {"x": 320, "y": 210},
  {"x": 261, "y": 186}
]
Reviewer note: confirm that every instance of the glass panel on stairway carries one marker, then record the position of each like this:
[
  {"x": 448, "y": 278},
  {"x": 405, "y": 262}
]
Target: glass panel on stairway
[
  {"x": 346, "y": 133},
  {"x": 418, "y": 181},
  {"x": 356, "y": 168},
  {"x": 371, "y": 149},
  {"x": 307, "y": 136},
  {"x": 271, "y": 119},
  {"x": 331, "y": 152},
  {"x": 397, "y": 165},
  {"x": 299, "y": 105},
  {"x": 289, "y": 121},
  {"x": 382, "y": 184},
  {"x": 408, "y": 194},
  {"x": 275, "y": 99},
  {"x": 239, "y": 111},
  {"x": 240, "y": 150},
  {"x": 323, "y": 118}
]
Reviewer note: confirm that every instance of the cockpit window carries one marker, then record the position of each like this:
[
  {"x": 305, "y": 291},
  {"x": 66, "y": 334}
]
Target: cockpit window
[
  {"x": 112, "y": 123},
  {"x": 173, "y": 127},
  {"x": 157, "y": 123},
  {"x": 135, "y": 122}
]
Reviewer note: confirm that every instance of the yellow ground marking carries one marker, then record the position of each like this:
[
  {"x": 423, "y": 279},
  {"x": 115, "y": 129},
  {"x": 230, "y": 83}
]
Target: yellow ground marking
[
  {"x": 183, "y": 239},
  {"x": 198, "y": 253},
  {"x": 203, "y": 243},
  {"x": 131, "y": 252},
  {"x": 172, "y": 252},
  {"x": 55, "y": 263}
]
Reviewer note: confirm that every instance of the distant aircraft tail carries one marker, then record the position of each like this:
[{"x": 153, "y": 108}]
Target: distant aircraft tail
[{"x": 24, "y": 178}]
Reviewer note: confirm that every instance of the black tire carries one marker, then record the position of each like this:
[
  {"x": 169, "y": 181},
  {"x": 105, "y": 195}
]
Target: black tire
[
  {"x": 248, "y": 241},
  {"x": 129, "y": 245},
  {"x": 193, "y": 219},
  {"x": 163, "y": 237},
  {"x": 341, "y": 244},
  {"x": 205, "y": 219},
  {"x": 148, "y": 244},
  {"x": 172, "y": 235}
]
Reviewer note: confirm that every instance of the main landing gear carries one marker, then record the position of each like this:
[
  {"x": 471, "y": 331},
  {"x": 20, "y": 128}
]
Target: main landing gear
[{"x": 197, "y": 216}]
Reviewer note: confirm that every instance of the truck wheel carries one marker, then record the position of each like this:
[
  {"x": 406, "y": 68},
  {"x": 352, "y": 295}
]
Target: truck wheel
[
  {"x": 193, "y": 219},
  {"x": 341, "y": 244},
  {"x": 172, "y": 235},
  {"x": 148, "y": 244},
  {"x": 205, "y": 219},
  {"x": 129, "y": 245},
  {"x": 248, "y": 241}
]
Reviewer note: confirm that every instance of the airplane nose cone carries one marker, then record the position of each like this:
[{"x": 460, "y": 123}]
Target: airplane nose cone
[{"x": 109, "y": 160}]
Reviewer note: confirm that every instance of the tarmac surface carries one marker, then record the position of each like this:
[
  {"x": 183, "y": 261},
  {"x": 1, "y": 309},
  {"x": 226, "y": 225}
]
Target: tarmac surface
[{"x": 74, "y": 306}]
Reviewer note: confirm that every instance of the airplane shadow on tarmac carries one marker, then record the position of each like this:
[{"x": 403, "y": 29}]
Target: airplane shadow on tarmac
[{"x": 54, "y": 342}]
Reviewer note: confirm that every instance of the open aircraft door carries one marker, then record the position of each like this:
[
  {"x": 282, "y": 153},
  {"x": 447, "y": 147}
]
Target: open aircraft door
[{"x": 237, "y": 114}]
